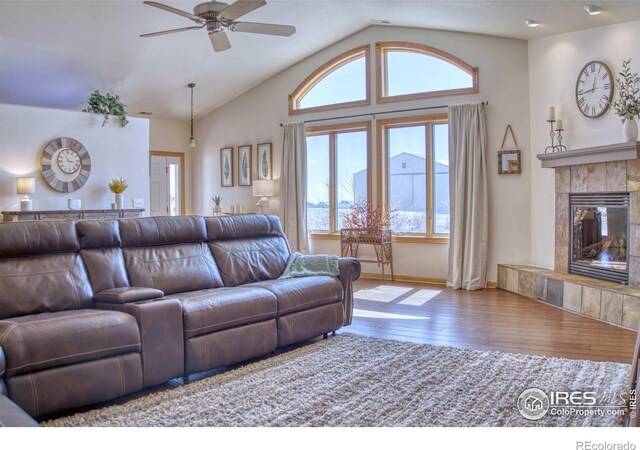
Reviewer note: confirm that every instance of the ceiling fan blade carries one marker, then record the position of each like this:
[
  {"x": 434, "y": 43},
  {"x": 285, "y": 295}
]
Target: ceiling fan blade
[
  {"x": 220, "y": 41},
  {"x": 175, "y": 30},
  {"x": 240, "y": 8},
  {"x": 263, "y": 28},
  {"x": 175, "y": 11}
]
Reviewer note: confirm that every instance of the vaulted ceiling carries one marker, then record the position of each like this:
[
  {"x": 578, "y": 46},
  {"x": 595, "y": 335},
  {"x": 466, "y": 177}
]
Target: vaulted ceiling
[{"x": 55, "y": 53}]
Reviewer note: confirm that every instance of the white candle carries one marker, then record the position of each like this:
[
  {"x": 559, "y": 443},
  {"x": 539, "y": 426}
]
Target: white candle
[
  {"x": 559, "y": 124},
  {"x": 552, "y": 113}
]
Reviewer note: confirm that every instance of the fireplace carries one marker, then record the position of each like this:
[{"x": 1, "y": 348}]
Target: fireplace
[{"x": 599, "y": 233}]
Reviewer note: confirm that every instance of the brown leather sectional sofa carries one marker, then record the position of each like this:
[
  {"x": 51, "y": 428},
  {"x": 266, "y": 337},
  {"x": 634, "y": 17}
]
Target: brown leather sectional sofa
[{"x": 93, "y": 310}]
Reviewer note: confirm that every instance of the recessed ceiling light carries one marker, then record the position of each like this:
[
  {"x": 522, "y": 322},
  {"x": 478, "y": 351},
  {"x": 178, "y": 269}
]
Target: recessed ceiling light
[
  {"x": 593, "y": 10},
  {"x": 145, "y": 113},
  {"x": 380, "y": 22},
  {"x": 531, "y": 23}
]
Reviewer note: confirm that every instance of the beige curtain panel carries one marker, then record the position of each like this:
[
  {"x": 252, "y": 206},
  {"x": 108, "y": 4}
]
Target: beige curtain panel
[
  {"x": 468, "y": 197},
  {"x": 293, "y": 186}
]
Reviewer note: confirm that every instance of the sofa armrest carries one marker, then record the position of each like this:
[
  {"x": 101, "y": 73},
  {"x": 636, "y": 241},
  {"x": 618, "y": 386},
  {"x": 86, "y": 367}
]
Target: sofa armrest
[
  {"x": 127, "y": 295},
  {"x": 11, "y": 415},
  {"x": 349, "y": 272},
  {"x": 161, "y": 334}
]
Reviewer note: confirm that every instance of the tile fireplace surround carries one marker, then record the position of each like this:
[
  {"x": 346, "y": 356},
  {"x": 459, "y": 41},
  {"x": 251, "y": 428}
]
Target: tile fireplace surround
[
  {"x": 616, "y": 176},
  {"x": 614, "y": 168}
]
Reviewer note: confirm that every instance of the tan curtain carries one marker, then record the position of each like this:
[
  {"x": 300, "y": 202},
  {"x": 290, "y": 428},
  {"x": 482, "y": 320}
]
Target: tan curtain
[
  {"x": 293, "y": 186},
  {"x": 468, "y": 197}
]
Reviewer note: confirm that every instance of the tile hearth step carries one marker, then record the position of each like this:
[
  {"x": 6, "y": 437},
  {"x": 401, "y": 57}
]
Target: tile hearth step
[{"x": 602, "y": 300}]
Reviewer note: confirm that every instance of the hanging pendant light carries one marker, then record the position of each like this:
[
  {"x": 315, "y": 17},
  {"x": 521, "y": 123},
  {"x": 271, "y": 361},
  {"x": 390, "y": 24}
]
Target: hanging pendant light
[{"x": 192, "y": 141}]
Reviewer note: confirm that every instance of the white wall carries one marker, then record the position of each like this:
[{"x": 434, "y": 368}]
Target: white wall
[
  {"x": 115, "y": 152},
  {"x": 554, "y": 64},
  {"x": 173, "y": 136},
  {"x": 255, "y": 116}
]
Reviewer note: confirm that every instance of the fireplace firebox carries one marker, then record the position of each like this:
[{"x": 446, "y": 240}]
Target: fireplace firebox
[{"x": 599, "y": 235}]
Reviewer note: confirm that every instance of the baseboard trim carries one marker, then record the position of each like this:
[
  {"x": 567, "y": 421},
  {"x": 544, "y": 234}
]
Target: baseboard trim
[{"x": 411, "y": 279}]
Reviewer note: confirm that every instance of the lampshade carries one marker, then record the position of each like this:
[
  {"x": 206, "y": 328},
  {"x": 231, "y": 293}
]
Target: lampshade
[
  {"x": 263, "y": 188},
  {"x": 26, "y": 186}
]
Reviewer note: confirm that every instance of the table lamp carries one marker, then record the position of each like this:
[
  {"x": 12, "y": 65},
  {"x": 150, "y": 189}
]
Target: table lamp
[
  {"x": 26, "y": 186},
  {"x": 263, "y": 189}
]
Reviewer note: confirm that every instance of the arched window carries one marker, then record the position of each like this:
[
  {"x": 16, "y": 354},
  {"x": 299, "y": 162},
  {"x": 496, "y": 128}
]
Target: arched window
[
  {"x": 409, "y": 71},
  {"x": 340, "y": 83}
]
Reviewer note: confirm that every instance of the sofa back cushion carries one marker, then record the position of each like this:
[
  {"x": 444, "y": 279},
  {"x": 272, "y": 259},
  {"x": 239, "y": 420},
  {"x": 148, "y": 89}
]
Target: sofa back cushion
[
  {"x": 168, "y": 253},
  {"x": 36, "y": 238},
  {"x": 100, "y": 250},
  {"x": 172, "y": 268},
  {"x": 247, "y": 248},
  {"x": 43, "y": 283},
  {"x": 151, "y": 231},
  {"x": 40, "y": 269}
]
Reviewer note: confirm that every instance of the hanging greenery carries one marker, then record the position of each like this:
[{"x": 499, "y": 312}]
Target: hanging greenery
[{"x": 106, "y": 105}]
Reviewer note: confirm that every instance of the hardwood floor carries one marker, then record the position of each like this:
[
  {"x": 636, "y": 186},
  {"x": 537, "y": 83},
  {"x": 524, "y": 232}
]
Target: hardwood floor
[{"x": 491, "y": 319}]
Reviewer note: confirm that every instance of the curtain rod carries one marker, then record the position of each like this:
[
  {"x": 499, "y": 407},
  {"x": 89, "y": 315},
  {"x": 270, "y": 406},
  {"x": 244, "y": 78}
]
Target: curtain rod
[{"x": 485, "y": 103}]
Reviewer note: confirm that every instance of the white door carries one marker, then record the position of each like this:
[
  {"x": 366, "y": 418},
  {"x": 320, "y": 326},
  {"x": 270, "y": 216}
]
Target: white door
[{"x": 165, "y": 194}]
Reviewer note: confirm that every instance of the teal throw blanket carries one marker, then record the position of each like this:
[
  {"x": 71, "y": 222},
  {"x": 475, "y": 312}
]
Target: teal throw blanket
[{"x": 300, "y": 265}]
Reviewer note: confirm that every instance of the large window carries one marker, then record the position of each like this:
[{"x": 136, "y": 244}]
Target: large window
[
  {"x": 409, "y": 71},
  {"x": 340, "y": 83},
  {"x": 414, "y": 174},
  {"x": 337, "y": 173}
]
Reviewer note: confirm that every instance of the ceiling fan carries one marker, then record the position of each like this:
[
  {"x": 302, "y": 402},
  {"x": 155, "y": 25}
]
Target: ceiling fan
[{"x": 218, "y": 17}]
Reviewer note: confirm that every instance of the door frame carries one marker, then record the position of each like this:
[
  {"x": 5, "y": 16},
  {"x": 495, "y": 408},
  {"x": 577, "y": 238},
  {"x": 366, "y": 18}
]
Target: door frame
[{"x": 182, "y": 171}]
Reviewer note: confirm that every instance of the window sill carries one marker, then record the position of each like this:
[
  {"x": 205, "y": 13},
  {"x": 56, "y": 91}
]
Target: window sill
[{"x": 400, "y": 239}]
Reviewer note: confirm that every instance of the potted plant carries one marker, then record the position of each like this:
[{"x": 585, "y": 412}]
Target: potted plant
[
  {"x": 106, "y": 105},
  {"x": 217, "y": 210},
  {"x": 628, "y": 104},
  {"x": 118, "y": 186}
]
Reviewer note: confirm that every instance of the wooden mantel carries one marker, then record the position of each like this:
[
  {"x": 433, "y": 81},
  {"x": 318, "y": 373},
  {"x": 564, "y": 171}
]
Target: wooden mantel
[{"x": 590, "y": 155}]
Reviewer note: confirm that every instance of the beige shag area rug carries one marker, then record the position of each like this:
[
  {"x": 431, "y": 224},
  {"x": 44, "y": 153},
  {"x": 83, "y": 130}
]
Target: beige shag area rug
[{"x": 358, "y": 381}]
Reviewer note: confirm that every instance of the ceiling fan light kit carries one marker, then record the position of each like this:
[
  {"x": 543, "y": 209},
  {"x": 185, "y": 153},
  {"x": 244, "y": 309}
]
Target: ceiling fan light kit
[
  {"x": 218, "y": 17},
  {"x": 593, "y": 10}
]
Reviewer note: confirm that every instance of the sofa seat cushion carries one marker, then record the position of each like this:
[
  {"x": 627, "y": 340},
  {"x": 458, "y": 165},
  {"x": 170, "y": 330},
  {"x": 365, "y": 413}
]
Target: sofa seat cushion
[
  {"x": 298, "y": 294},
  {"x": 218, "y": 309},
  {"x": 42, "y": 341}
]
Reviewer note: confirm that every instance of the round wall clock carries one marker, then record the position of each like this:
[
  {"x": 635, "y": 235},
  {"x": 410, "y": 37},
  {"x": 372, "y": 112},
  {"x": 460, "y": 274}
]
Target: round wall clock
[
  {"x": 594, "y": 89},
  {"x": 65, "y": 164}
]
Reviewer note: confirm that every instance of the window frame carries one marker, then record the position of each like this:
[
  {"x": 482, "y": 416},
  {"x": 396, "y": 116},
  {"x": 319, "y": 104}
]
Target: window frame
[
  {"x": 382, "y": 172},
  {"x": 332, "y": 130},
  {"x": 326, "y": 69},
  {"x": 382, "y": 82}
]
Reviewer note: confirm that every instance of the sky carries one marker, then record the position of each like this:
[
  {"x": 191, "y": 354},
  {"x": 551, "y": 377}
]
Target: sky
[{"x": 407, "y": 73}]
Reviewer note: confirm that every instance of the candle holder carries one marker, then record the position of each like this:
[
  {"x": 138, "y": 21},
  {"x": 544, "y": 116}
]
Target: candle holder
[
  {"x": 560, "y": 147},
  {"x": 553, "y": 147}
]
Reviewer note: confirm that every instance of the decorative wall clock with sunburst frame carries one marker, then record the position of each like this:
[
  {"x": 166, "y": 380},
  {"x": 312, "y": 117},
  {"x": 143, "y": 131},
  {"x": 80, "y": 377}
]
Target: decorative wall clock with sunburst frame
[{"x": 65, "y": 164}]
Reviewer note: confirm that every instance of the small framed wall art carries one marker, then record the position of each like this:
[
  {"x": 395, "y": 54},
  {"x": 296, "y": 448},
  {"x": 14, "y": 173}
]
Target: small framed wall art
[
  {"x": 244, "y": 165},
  {"x": 265, "y": 161},
  {"x": 226, "y": 167},
  {"x": 509, "y": 160}
]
